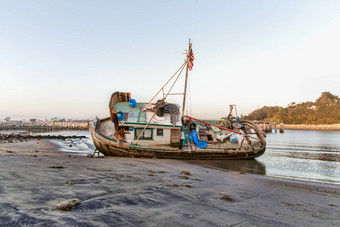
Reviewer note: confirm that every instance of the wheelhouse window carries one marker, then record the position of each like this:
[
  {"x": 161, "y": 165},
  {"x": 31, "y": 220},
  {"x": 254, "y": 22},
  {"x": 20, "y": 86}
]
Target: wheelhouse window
[
  {"x": 147, "y": 134},
  {"x": 159, "y": 132}
]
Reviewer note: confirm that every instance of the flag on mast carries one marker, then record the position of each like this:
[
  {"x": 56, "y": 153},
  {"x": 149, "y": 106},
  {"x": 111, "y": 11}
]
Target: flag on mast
[{"x": 191, "y": 59}]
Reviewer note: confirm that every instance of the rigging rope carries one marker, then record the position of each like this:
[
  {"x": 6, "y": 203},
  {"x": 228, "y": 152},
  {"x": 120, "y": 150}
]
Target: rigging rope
[
  {"x": 167, "y": 82},
  {"x": 162, "y": 101}
]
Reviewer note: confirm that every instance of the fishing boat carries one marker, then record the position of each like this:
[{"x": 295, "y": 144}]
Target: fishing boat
[{"x": 158, "y": 129}]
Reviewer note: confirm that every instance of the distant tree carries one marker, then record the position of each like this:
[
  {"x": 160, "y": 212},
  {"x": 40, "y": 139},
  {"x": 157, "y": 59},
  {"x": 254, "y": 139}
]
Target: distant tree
[
  {"x": 325, "y": 110},
  {"x": 328, "y": 108},
  {"x": 7, "y": 119},
  {"x": 266, "y": 112},
  {"x": 33, "y": 120}
]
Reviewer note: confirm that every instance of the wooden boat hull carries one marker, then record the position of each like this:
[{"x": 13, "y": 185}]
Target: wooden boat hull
[{"x": 110, "y": 147}]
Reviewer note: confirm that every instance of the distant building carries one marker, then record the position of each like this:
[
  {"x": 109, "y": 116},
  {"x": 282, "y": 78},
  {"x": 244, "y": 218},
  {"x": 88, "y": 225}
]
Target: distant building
[{"x": 56, "y": 119}]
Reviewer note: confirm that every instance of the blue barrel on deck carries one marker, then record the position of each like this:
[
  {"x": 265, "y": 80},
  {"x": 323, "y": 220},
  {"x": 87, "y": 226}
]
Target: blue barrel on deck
[
  {"x": 120, "y": 115},
  {"x": 132, "y": 103},
  {"x": 233, "y": 138}
]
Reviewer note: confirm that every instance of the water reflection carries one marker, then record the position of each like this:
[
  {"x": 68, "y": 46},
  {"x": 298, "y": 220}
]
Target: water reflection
[
  {"x": 325, "y": 156},
  {"x": 247, "y": 166}
]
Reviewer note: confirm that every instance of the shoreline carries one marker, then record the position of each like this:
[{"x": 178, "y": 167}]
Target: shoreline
[
  {"x": 323, "y": 127},
  {"x": 149, "y": 192}
]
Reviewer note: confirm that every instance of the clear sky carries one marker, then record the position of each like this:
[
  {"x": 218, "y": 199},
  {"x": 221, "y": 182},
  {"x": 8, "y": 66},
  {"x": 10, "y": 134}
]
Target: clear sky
[{"x": 65, "y": 58}]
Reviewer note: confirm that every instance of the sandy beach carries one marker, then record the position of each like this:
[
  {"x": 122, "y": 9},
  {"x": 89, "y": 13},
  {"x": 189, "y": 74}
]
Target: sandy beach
[{"x": 112, "y": 191}]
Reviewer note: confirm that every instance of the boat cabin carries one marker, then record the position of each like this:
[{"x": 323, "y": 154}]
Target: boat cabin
[{"x": 129, "y": 119}]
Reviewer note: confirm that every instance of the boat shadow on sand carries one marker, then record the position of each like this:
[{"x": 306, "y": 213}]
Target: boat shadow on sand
[{"x": 246, "y": 166}]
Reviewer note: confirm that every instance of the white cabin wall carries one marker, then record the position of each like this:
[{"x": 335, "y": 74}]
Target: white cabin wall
[
  {"x": 157, "y": 140},
  {"x": 165, "y": 139}
]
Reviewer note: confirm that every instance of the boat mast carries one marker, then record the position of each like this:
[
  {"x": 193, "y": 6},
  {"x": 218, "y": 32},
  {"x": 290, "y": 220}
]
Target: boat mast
[
  {"x": 186, "y": 77},
  {"x": 189, "y": 59}
]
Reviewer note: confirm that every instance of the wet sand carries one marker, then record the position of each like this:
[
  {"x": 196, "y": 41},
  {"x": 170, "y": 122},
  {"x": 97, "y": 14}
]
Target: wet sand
[{"x": 150, "y": 192}]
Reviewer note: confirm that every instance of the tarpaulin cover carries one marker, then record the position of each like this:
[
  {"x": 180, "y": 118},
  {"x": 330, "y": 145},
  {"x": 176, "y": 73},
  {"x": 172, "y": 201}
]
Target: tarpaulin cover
[{"x": 193, "y": 137}]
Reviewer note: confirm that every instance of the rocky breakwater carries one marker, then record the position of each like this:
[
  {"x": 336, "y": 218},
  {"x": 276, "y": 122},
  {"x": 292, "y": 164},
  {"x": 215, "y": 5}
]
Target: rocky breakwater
[
  {"x": 45, "y": 125},
  {"x": 12, "y": 138}
]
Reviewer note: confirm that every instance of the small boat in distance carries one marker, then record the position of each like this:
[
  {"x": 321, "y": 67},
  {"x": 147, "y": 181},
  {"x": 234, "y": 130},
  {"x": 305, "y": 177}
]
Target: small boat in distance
[{"x": 161, "y": 130}]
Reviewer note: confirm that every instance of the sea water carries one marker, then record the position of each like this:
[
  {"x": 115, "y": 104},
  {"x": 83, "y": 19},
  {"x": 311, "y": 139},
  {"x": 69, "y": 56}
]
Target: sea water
[
  {"x": 77, "y": 146},
  {"x": 307, "y": 155}
]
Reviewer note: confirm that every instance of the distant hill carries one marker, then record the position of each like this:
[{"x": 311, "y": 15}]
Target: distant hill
[{"x": 325, "y": 110}]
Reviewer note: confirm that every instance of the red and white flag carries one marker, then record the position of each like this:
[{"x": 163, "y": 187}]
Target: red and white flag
[{"x": 191, "y": 59}]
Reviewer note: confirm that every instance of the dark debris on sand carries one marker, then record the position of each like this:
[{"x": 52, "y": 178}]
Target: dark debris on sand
[
  {"x": 56, "y": 167},
  {"x": 228, "y": 198}
]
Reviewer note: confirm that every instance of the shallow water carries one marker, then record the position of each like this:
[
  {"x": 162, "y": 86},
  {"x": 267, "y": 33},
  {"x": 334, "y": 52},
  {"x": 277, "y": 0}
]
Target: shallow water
[
  {"x": 12, "y": 131},
  {"x": 307, "y": 155},
  {"x": 295, "y": 154},
  {"x": 77, "y": 146}
]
